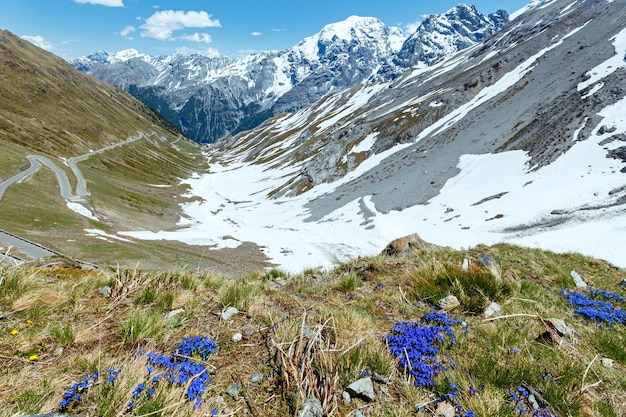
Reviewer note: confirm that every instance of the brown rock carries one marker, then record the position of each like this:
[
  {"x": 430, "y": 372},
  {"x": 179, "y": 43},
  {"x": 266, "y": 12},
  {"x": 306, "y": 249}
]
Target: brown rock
[
  {"x": 405, "y": 244},
  {"x": 449, "y": 302},
  {"x": 445, "y": 409}
]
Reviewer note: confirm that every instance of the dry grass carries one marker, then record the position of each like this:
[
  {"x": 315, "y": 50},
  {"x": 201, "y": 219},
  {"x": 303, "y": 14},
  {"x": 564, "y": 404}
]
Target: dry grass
[{"x": 310, "y": 337}]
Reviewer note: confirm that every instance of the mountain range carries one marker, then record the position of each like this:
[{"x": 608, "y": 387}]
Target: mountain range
[
  {"x": 210, "y": 97},
  {"x": 519, "y": 138}
]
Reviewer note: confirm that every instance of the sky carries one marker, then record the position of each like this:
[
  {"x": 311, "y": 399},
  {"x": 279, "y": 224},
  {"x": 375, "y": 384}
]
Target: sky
[{"x": 235, "y": 28}]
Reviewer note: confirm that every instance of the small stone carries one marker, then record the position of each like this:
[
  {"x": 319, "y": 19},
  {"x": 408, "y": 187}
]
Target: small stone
[
  {"x": 465, "y": 264},
  {"x": 346, "y": 397},
  {"x": 607, "y": 362},
  {"x": 105, "y": 291},
  {"x": 237, "y": 338},
  {"x": 363, "y": 388},
  {"x": 445, "y": 410},
  {"x": 247, "y": 331},
  {"x": 578, "y": 280},
  {"x": 2, "y": 316},
  {"x": 256, "y": 377},
  {"x": 280, "y": 282},
  {"x": 58, "y": 351},
  {"x": 312, "y": 407},
  {"x": 233, "y": 390},
  {"x": 381, "y": 379},
  {"x": 493, "y": 310},
  {"x": 358, "y": 414},
  {"x": 448, "y": 303},
  {"x": 622, "y": 283},
  {"x": 229, "y": 313},
  {"x": 174, "y": 313},
  {"x": 219, "y": 400},
  {"x": 563, "y": 329}
]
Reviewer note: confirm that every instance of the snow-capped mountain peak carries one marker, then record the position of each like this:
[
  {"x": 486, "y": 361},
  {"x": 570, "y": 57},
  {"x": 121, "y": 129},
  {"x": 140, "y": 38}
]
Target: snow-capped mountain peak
[{"x": 209, "y": 98}]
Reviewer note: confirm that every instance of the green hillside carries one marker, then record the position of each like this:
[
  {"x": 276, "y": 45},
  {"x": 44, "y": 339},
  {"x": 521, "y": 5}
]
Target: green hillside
[{"x": 47, "y": 108}]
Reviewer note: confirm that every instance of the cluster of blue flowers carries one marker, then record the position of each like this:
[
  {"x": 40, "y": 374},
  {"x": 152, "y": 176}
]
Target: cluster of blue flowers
[
  {"x": 416, "y": 345},
  {"x": 180, "y": 369},
  {"x": 597, "y": 306},
  {"x": 73, "y": 395},
  {"x": 524, "y": 404}
]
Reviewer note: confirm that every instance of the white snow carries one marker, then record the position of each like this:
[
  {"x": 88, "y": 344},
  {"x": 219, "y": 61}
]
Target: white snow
[
  {"x": 235, "y": 209},
  {"x": 99, "y": 234},
  {"x": 366, "y": 144},
  {"x": 80, "y": 209},
  {"x": 610, "y": 65}
]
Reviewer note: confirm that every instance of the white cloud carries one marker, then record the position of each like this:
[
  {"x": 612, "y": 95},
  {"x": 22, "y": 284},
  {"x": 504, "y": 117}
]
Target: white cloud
[
  {"x": 412, "y": 27},
  {"x": 256, "y": 33},
  {"x": 127, "y": 31},
  {"x": 162, "y": 24},
  {"x": 278, "y": 30},
  {"x": 110, "y": 3},
  {"x": 198, "y": 37},
  {"x": 39, "y": 41}
]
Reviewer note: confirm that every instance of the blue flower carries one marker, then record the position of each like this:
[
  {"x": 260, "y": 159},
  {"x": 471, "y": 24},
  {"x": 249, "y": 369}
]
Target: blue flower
[{"x": 514, "y": 351}]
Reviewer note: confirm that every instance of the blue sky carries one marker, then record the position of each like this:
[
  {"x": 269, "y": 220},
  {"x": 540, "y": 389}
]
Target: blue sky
[{"x": 75, "y": 28}]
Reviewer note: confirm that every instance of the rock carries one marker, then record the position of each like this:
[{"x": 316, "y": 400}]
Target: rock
[
  {"x": 229, "y": 313},
  {"x": 237, "y": 338},
  {"x": 578, "y": 280},
  {"x": 381, "y": 379},
  {"x": 312, "y": 407},
  {"x": 357, "y": 413},
  {"x": 493, "y": 310},
  {"x": 105, "y": 291},
  {"x": 174, "y": 313},
  {"x": 363, "y": 388},
  {"x": 256, "y": 377},
  {"x": 564, "y": 330},
  {"x": 58, "y": 351},
  {"x": 607, "y": 362},
  {"x": 219, "y": 400},
  {"x": 406, "y": 243},
  {"x": 247, "y": 331},
  {"x": 233, "y": 390},
  {"x": 280, "y": 281},
  {"x": 2, "y": 316},
  {"x": 448, "y": 303},
  {"x": 622, "y": 283},
  {"x": 346, "y": 397},
  {"x": 465, "y": 264},
  {"x": 445, "y": 409}
]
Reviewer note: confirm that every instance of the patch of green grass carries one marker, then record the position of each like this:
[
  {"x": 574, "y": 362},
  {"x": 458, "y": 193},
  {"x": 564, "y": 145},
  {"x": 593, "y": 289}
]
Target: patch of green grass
[
  {"x": 64, "y": 334},
  {"x": 240, "y": 294},
  {"x": 147, "y": 296},
  {"x": 165, "y": 300},
  {"x": 13, "y": 284},
  {"x": 349, "y": 283},
  {"x": 141, "y": 325}
]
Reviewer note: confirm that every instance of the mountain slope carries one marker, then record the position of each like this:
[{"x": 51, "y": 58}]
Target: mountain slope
[
  {"x": 519, "y": 138},
  {"x": 211, "y": 97},
  {"x": 98, "y": 161}
]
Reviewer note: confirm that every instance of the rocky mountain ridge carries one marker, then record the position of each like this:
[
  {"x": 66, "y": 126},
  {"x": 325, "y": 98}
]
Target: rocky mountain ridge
[
  {"x": 519, "y": 138},
  {"x": 210, "y": 97}
]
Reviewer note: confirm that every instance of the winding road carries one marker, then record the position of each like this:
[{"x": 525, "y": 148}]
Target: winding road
[
  {"x": 36, "y": 161},
  {"x": 33, "y": 250}
]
